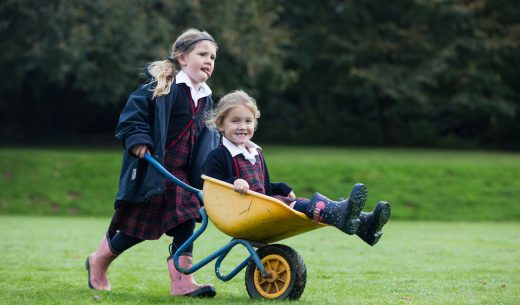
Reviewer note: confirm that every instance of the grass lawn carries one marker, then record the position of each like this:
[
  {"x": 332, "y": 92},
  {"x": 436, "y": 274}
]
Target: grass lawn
[
  {"x": 42, "y": 262},
  {"x": 420, "y": 184}
]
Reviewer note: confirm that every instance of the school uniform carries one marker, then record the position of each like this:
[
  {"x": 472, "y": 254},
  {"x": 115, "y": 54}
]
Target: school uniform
[
  {"x": 229, "y": 163},
  {"x": 148, "y": 205}
]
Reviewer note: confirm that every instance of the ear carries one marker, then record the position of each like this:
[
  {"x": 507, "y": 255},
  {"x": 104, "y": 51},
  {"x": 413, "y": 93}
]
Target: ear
[
  {"x": 181, "y": 59},
  {"x": 219, "y": 125}
]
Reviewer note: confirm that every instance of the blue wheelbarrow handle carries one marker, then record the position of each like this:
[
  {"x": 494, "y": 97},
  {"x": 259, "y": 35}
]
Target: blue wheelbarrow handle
[{"x": 171, "y": 177}]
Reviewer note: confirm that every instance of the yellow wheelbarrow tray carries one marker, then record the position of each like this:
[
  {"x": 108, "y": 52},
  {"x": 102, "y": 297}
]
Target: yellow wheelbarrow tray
[
  {"x": 274, "y": 271},
  {"x": 254, "y": 216}
]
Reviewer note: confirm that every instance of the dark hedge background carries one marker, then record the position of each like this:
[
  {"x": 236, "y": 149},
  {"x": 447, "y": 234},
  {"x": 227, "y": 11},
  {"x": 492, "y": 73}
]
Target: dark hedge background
[{"x": 347, "y": 73}]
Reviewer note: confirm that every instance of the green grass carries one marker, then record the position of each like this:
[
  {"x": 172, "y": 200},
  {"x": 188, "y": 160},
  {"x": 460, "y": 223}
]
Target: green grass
[
  {"x": 42, "y": 262},
  {"x": 420, "y": 184},
  {"x": 61, "y": 182}
]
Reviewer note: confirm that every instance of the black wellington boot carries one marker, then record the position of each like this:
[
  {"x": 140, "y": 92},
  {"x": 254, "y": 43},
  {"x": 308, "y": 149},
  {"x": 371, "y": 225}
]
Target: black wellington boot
[
  {"x": 344, "y": 214},
  {"x": 370, "y": 229}
]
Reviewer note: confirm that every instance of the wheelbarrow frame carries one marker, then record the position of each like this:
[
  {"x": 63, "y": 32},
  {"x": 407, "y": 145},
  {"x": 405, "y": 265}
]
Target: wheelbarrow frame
[{"x": 219, "y": 254}]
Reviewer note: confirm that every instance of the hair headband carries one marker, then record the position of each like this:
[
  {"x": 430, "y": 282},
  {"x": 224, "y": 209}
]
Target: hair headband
[{"x": 182, "y": 45}]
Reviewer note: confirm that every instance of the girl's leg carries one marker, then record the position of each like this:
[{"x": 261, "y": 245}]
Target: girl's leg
[
  {"x": 98, "y": 262},
  {"x": 370, "y": 229},
  {"x": 184, "y": 284},
  {"x": 344, "y": 214},
  {"x": 181, "y": 234},
  {"x": 300, "y": 205},
  {"x": 121, "y": 242}
]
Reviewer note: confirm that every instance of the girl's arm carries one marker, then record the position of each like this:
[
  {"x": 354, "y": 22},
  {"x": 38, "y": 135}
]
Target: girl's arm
[
  {"x": 134, "y": 127},
  {"x": 140, "y": 150},
  {"x": 282, "y": 188},
  {"x": 277, "y": 188},
  {"x": 216, "y": 166},
  {"x": 241, "y": 186}
]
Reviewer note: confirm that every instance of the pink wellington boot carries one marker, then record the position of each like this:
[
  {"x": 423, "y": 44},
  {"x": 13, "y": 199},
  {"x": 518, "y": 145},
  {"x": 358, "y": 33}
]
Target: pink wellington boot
[
  {"x": 184, "y": 284},
  {"x": 97, "y": 265}
]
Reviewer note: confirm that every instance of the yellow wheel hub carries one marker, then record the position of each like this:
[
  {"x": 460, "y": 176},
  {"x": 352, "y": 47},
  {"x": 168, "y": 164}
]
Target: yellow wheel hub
[{"x": 279, "y": 277}]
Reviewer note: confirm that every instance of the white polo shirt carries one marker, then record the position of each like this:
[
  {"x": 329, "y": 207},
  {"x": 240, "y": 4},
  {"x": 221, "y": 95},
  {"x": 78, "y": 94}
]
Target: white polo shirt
[
  {"x": 203, "y": 91},
  {"x": 235, "y": 150}
]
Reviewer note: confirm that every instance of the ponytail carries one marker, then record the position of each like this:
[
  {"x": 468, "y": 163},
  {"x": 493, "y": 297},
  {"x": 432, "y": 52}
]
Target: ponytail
[{"x": 163, "y": 73}]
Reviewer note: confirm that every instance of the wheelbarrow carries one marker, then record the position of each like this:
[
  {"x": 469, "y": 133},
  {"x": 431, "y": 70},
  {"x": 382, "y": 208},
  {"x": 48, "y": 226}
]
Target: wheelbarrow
[{"x": 253, "y": 220}]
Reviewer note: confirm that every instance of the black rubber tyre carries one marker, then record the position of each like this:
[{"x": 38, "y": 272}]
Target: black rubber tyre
[{"x": 287, "y": 270}]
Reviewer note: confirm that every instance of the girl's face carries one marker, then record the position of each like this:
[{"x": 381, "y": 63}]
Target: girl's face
[
  {"x": 238, "y": 126},
  {"x": 198, "y": 64}
]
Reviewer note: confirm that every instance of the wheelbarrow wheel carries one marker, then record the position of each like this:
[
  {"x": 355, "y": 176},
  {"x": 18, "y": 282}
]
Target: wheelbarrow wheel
[{"x": 287, "y": 274}]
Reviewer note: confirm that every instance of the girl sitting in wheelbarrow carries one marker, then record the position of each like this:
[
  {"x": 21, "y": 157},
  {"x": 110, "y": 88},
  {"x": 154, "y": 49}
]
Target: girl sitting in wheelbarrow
[{"x": 240, "y": 162}]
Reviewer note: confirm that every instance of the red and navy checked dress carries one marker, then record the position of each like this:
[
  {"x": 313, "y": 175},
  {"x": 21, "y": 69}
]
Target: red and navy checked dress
[
  {"x": 164, "y": 211},
  {"x": 254, "y": 175}
]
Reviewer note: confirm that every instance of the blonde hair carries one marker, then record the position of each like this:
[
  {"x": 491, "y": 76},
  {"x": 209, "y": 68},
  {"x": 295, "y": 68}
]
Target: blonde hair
[
  {"x": 164, "y": 71},
  {"x": 230, "y": 101}
]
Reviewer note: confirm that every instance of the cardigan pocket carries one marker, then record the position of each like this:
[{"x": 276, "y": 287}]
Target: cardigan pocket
[{"x": 131, "y": 181}]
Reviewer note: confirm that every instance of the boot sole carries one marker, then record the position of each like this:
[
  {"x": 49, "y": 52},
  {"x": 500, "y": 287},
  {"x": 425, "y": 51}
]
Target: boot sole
[
  {"x": 382, "y": 215},
  {"x": 87, "y": 265},
  {"x": 203, "y": 292},
  {"x": 357, "y": 200}
]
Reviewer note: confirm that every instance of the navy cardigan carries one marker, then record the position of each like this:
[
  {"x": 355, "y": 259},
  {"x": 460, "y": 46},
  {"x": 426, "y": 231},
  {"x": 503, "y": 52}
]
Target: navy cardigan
[
  {"x": 219, "y": 164},
  {"x": 147, "y": 121}
]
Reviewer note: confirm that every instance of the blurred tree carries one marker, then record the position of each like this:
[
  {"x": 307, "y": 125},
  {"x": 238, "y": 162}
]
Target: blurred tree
[
  {"x": 474, "y": 90},
  {"x": 341, "y": 72},
  {"x": 72, "y": 61},
  {"x": 63, "y": 55},
  {"x": 251, "y": 53},
  {"x": 403, "y": 72}
]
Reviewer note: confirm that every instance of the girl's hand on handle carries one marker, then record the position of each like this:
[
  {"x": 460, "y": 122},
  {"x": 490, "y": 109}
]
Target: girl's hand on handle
[
  {"x": 241, "y": 186},
  {"x": 140, "y": 150}
]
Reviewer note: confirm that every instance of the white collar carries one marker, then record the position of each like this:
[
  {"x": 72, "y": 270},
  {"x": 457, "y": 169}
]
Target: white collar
[
  {"x": 235, "y": 150},
  {"x": 203, "y": 91}
]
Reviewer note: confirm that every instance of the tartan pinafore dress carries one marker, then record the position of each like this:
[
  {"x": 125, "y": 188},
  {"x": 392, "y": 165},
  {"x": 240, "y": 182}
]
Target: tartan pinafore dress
[
  {"x": 254, "y": 175},
  {"x": 164, "y": 211}
]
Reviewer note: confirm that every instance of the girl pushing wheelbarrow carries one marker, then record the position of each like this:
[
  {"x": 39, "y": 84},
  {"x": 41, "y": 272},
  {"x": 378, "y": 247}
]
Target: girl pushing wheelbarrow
[{"x": 164, "y": 116}]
